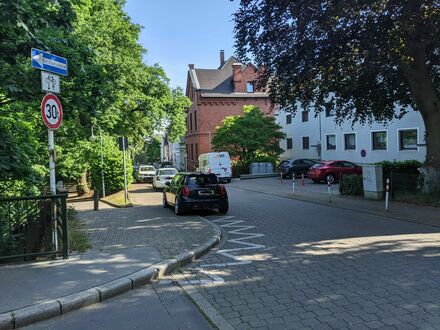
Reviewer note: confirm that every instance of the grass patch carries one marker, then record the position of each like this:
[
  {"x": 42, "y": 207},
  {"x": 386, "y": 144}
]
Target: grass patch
[
  {"x": 418, "y": 198},
  {"x": 117, "y": 199},
  {"x": 78, "y": 240}
]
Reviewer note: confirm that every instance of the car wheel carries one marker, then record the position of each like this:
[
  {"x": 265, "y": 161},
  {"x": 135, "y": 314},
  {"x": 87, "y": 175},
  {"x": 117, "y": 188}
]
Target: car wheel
[
  {"x": 177, "y": 207},
  {"x": 224, "y": 208},
  {"x": 164, "y": 201},
  {"x": 330, "y": 178}
]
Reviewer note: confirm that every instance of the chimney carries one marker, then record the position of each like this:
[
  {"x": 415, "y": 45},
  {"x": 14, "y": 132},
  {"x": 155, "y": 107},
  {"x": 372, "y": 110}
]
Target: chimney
[
  {"x": 222, "y": 57},
  {"x": 236, "y": 76},
  {"x": 191, "y": 66}
]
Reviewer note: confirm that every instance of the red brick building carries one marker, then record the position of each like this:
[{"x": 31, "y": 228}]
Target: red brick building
[{"x": 216, "y": 94}]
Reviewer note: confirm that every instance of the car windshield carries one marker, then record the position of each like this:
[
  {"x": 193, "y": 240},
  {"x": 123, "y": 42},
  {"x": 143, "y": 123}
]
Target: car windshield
[
  {"x": 202, "y": 179},
  {"x": 146, "y": 168},
  {"x": 167, "y": 172}
]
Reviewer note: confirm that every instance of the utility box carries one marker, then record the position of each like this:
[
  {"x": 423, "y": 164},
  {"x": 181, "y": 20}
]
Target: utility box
[
  {"x": 254, "y": 168},
  {"x": 372, "y": 182}
]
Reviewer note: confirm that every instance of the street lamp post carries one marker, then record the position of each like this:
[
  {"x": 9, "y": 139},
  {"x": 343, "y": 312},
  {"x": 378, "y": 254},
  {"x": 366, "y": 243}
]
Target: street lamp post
[{"x": 102, "y": 160}]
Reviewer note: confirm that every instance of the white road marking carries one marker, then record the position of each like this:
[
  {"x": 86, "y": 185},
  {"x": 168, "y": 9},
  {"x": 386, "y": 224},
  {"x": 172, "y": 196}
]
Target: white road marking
[{"x": 238, "y": 228}]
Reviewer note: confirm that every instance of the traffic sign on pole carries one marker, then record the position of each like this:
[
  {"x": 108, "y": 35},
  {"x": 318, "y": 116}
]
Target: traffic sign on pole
[
  {"x": 50, "y": 82},
  {"x": 51, "y": 111},
  {"x": 48, "y": 62}
]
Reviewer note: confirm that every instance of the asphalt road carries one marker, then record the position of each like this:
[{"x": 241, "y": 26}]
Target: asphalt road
[{"x": 289, "y": 264}]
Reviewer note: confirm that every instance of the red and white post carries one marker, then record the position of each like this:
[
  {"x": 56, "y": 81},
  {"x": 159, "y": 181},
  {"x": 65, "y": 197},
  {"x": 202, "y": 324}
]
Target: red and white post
[
  {"x": 329, "y": 191},
  {"x": 387, "y": 194},
  {"x": 293, "y": 184}
]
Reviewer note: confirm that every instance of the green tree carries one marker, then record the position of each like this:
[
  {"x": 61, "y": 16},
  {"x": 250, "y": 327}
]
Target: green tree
[
  {"x": 249, "y": 136},
  {"x": 368, "y": 60},
  {"x": 151, "y": 152}
]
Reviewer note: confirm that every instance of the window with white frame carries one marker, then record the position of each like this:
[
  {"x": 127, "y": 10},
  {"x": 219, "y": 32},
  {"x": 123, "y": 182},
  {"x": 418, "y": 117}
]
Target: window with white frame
[
  {"x": 250, "y": 87},
  {"x": 408, "y": 139},
  {"x": 289, "y": 143},
  {"x": 331, "y": 141},
  {"x": 305, "y": 142},
  {"x": 350, "y": 141},
  {"x": 379, "y": 140}
]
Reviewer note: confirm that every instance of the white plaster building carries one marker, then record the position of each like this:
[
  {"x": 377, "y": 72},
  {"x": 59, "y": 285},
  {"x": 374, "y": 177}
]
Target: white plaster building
[
  {"x": 318, "y": 137},
  {"x": 173, "y": 152}
]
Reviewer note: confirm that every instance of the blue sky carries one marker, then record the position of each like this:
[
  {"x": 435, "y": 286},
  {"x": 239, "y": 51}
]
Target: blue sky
[{"x": 179, "y": 32}]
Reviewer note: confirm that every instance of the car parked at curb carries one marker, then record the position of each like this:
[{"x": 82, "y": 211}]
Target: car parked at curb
[
  {"x": 331, "y": 171},
  {"x": 296, "y": 167},
  {"x": 195, "y": 191},
  {"x": 162, "y": 176}
]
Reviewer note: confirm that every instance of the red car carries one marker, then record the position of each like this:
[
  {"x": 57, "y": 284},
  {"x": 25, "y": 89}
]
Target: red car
[{"x": 330, "y": 171}]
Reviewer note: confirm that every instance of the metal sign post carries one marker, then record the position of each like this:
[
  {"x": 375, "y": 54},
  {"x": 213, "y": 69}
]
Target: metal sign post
[{"x": 124, "y": 146}]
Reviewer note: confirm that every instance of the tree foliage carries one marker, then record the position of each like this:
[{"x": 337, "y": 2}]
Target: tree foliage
[
  {"x": 248, "y": 136},
  {"x": 367, "y": 60},
  {"x": 108, "y": 85}
]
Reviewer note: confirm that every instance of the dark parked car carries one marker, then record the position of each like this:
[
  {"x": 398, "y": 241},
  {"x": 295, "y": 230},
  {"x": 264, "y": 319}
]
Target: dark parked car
[
  {"x": 330, "y": 171},
  {"x": 195, "y": 191},
  {"x": 296, "y": 167}
]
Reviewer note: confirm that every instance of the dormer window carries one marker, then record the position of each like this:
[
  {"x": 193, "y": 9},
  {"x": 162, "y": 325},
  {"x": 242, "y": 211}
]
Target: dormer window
[{"x": 250, "y": 87}]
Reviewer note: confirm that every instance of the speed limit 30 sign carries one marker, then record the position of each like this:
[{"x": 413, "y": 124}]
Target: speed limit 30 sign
[{"x": 51, "y": 111}]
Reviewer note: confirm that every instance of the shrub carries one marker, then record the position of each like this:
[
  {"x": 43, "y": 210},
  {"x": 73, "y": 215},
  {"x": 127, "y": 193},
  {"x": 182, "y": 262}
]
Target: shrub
[
  {"x": 407, "y": 166},
  {"x": 351, "y": 185}
]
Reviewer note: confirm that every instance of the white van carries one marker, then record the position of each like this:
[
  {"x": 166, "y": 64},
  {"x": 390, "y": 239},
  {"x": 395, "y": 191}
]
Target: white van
[{"x": 218, "y": 163}]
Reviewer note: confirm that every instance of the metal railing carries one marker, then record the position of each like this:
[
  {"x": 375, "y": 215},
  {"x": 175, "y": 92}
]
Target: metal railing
[
  {"x": 32, "y": 227},
  {"x": 404, "y": 183}
]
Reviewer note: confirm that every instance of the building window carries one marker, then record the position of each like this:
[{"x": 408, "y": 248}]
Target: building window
[
  {"x": 408, "y": 139},
  {"x": 304, "y": 116},
  {"x": 190, "y": 122},
  {"x": 195, "y": 120},
  {"x": 192, "y": 151},
  {"x": 331, "y": 142},
  {"x": 329, "y": 112},
  {"x": 288, "y": 119},
  {"x": 305, "y": 142},
  {"x": 379, "y": 140},
  {"x": 350, "y": 141},
  {"x": 250, "y": 87},
  {"x": 289, "y": 143},
  {"x": 197, "y": 151}
]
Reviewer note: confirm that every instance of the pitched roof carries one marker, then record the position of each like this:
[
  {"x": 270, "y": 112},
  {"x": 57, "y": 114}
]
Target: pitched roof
[{"x": 217, "y": 82}]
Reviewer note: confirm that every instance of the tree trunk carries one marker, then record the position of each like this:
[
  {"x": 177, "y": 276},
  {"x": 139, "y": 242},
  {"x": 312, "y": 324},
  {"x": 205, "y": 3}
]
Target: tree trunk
[{"x": 428, "y": 103}]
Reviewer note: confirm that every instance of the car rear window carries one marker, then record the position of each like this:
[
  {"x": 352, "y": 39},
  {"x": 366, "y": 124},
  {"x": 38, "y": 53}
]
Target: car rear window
[
  {"x": 201, "y": 179},
  {"x": 318, "y": 165},
  {"x": 167, "y": 172},
  {"x": 147, "y": 168}
]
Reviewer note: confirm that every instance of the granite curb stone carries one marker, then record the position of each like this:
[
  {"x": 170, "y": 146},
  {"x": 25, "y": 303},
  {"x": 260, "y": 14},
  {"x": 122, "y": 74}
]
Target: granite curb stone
[
  {"x": 6, "y": 321},
  {"x": 165, "y": 267},
  {"x": 113, "y": 288},
  {"x": 35, "y": 313},
  {"x": 142, "y": 277},
  {"x": 78, "y": 300},
  {"x": 185, "y": 258}
]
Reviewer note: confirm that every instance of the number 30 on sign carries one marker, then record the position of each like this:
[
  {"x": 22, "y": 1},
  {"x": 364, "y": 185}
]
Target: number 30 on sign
[{"x": 51, "y": 111}]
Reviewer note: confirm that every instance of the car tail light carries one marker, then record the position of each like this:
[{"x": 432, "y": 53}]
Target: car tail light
[
  {"x": 222, "y": 191},
  {"x": 185, "y": 191}
]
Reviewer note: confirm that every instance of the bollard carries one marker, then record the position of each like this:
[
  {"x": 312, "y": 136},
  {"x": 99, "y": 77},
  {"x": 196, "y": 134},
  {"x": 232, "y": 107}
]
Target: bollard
[
  {"x": 387, "y": 194},
  {"x": 329, "y": 192},
  {"x": 281, "y": 177},
  {"x": 293, "y": 184},
  {"x": 96, "y": 200},
  {"x": 302, "y": 179}
]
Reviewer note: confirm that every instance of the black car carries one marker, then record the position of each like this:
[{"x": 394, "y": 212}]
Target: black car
[
  {"x": 195, "y": 191},
  {"x": 296, "y": 167}
]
